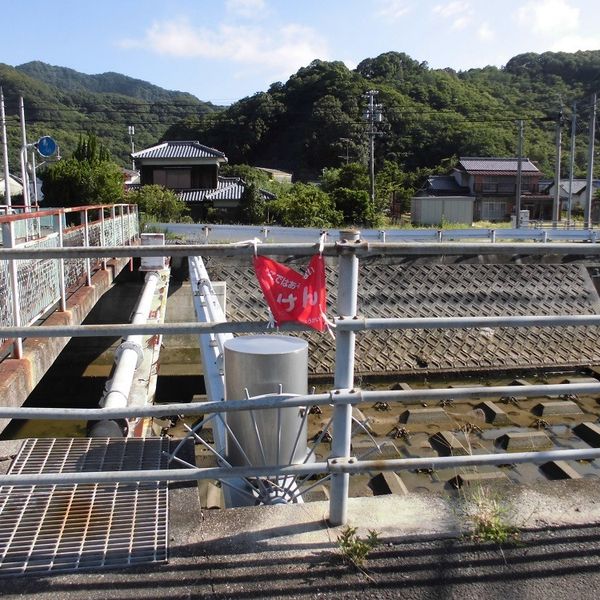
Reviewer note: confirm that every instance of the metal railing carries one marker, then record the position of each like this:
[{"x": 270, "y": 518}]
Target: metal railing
[
  {"x": 340, "y": 464},
  {"x": 536, "y": 232},
  {"x": 30, "y": 287}
]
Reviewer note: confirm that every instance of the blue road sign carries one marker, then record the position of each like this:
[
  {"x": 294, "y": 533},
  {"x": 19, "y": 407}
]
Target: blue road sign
[{"x": 46, "y": 146}]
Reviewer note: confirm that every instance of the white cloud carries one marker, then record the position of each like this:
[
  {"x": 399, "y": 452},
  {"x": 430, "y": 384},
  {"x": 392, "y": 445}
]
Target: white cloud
[
  {"x": 458, "y": 12},
  {"x": 572, "y": 43},
  {"x": 393, "y": 9},
  {"x": 278, "y": 53},
  {"x": 350, "y": 63},
  {"x": 451, "y": 9},
  {"x": 485, "y": 33},
  {"x": 548, "y": 17},
  {"x": 246, "y": 8}
]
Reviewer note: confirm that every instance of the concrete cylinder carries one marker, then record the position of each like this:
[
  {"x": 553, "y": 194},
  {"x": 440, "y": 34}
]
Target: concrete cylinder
[{"x": 260, "y": 364}]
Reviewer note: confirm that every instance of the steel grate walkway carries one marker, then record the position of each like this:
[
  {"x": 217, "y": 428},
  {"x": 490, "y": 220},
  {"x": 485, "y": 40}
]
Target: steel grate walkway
[{"x": 70, "y": 527}]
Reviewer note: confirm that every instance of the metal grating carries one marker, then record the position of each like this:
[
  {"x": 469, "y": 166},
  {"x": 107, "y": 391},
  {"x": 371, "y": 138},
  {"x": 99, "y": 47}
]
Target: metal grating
[{"x": 93, "y": 526}]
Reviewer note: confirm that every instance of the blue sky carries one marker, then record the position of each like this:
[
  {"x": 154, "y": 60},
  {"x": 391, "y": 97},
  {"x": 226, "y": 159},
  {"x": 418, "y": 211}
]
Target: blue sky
[{"x": 222, "y": 50}]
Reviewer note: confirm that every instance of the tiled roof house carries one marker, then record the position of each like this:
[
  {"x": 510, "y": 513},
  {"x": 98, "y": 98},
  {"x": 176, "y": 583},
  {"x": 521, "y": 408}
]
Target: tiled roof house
[
  {"x": 493, "y": 183},
  {"x": 191, "y": 169}
]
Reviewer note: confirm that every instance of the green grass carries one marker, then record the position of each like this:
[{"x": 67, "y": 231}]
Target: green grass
[
  {"x": 488, "y": 516},
  {"x": 355, "y": 549}
]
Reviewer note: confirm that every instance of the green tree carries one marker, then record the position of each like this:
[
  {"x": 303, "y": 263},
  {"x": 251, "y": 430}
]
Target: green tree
[
  {"x": 76, "y": 183},
  {"x": 305, "y": 205},
  {"x": 158, "y": 204},
  {"x": 392, "y": 181},
  {"x": 253, "y": 209},
  {"x": 349, "y": 186},
  {"x": 356, "y": 207}
]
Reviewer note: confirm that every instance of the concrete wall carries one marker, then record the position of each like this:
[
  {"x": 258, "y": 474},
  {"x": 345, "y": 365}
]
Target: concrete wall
[
  {"x": 432, "y": 210},
  {"x": 180, "y": 309}
]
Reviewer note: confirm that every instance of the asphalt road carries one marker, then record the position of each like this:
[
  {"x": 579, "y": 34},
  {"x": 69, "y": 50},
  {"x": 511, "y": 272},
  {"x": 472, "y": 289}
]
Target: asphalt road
[{"x": 546, "y": 564}]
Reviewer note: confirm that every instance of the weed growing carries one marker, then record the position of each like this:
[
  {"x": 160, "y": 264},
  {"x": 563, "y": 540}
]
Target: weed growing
[
  {"x": 488, "y": 516},
  {"x": 355, "y": 549}
]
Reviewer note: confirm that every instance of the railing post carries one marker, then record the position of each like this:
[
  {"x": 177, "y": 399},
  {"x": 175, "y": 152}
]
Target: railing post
[
  {"x": 58, "y": 226},
  {"x": 344, "y": 374},
  {"x": 8, "y": 241},
  {"x": 102, "y": 236},
  {"x": 129, "y": 227},
  {"x": 86, "y": 243},
  {"x": 113, "y": 217},
  {"x": 123, "y": 233}
]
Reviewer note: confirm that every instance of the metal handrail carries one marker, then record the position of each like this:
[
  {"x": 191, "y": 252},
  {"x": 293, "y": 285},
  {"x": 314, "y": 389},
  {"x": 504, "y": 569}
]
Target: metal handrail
[
  {"x": 360, "y": 249},
  {"x": 341, "y": 399},
  {"x": 355, "y": 323},
  {"x": 333, "y": 397},
  {"x": 332, "y": 466}
]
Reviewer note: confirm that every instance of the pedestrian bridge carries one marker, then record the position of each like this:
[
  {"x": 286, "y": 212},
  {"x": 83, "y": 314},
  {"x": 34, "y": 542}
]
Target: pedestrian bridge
[{"x": 44, "y": 291}]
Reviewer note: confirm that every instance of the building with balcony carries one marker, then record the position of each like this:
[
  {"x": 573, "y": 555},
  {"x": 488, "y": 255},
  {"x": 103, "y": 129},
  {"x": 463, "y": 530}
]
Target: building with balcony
[{"x": 493, "y": 183}]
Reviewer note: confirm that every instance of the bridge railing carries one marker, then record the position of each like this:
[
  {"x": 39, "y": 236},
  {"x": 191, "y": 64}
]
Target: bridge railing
[
  {"x": 343, "y": 395},
  {"x": 29, "y": 288}
]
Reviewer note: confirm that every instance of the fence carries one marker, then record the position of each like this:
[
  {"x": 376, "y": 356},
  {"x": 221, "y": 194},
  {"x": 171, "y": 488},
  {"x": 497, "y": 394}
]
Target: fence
[
  {"x": 349, "y": 249},
  {"x": 31, "y": 287},
  {"x": 536, "y": 232}
]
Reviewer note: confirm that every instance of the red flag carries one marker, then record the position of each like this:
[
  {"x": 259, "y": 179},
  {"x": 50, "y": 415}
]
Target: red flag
[{"x": 292, "y": 296}]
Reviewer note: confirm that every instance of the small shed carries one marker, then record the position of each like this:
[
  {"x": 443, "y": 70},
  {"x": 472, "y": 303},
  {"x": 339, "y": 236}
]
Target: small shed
[{"x": 434, "y": 210}]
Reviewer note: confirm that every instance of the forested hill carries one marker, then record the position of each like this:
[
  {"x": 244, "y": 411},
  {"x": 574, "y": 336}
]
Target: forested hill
[
  {"x": 429, "y": 116},
  {"x": 316, "y": 118},
  {"x": 64, "y": 103},
  {"x": 104, "y": 83}
]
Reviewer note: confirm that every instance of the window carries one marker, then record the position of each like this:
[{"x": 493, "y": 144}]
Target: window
[
  {"x": 177, "y": 178},
  {"x": 493, "y": 210}
]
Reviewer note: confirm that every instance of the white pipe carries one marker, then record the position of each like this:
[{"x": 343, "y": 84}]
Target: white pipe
[{"x": 129, "y": 354}]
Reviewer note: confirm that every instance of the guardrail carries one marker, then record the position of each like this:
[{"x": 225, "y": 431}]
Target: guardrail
[
  {"x": 234, "y": 233},
  {"x": 32, "y": 286},
  {"x": 340, "y": 464}
]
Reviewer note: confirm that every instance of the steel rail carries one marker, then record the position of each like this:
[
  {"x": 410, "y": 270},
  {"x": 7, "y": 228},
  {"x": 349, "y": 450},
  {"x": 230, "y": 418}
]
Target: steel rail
[
  {"x": 359, "y": 248},
  {"x": 334, "y": 466},
  {"x": 341, "y": 323},
  {"x": 336, "y": 397}
]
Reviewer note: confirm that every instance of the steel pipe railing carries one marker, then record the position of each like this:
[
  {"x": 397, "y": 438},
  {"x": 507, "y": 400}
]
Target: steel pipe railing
[
  {"x": 344, "y": 378},
  {"x": 334, "y": 397},
  {"x": 341, "y": 324},
  {"x": 334, "y": 466},
  {"x": 360, "y": 249},
  {"x": 349, "y": 249}
]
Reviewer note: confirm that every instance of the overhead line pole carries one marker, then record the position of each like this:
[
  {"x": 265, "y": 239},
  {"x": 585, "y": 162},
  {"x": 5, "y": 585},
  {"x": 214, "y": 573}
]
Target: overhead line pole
[
  {"x": 373, "y": 114},
  {"x": 519, "y": 170},
  {"x": 572, "y": 163},
  {"x": 590, "y": 173},
  {"x": 556, "y": 200},
  {"x": 24, "y": 158},
  {"x": 7, "y": 198}
]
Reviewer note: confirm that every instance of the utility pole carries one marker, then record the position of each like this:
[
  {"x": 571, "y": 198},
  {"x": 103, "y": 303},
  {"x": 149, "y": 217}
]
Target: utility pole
[
  {"x": 590, "y": 173},
  {"x": 519, "y": 170},
  {"x": 372, "y": 115},
  {"x": 556, "y": 202},
  {"x": 347, "y": 142},
  {"x": 571, "y": 163},
  {"x": 7, "y": 199},
  {"x": 131, "y": 130},
  {"x": 24, "y": 158}
]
